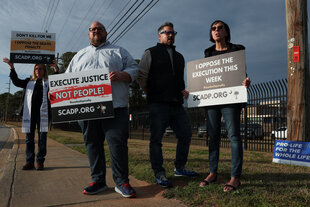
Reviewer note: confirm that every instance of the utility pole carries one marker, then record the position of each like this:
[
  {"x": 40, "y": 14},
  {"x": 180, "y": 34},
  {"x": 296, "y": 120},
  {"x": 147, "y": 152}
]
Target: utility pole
[
  {"x": 7, "y": 102},
  {"x": 57, "y": 59},
  {"x": 298, "y": 100}
]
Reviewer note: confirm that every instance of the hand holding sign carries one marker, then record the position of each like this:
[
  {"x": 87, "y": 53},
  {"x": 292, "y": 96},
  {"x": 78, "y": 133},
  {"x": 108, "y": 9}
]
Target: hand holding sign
[
  {"x": 185, "y": 94},
  {"x": 246, "y": 82},
  {"x": 119, "y": 76},
  {"x": 55, "y": 66}
]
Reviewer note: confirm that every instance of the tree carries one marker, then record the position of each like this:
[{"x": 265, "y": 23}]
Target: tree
[
  {"x": 16, "y": 102},
  {"x": 137, "y": 100},
  {"x": 13, "y": 107},
  {"x": 63, "y": 64},
  {"x": 65, "y": 61}
]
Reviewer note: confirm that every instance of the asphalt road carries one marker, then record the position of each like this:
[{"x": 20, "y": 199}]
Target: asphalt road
[{"x": 4, "y": 135}]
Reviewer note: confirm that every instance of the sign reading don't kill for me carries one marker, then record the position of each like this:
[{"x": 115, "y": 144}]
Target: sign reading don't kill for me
[
  {"x": 32, "y": 47},
  {"x": 217, "y": 80}
]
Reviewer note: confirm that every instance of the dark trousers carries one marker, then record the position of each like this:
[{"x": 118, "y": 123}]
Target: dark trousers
[
  {"x": 162, "y": 115},
  {"x": 30, "y": 143},
  {"x": 115, "y": 131}
]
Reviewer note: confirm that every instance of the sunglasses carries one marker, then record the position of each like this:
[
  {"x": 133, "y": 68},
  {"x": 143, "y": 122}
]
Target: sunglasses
[
  {"x": 168, "y": 32},
  {"x": 218, "y": 28},
  {"x": 92, "y": 29}
]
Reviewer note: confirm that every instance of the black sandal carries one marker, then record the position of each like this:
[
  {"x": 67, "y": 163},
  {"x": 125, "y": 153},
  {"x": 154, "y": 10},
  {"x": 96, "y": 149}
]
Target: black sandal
[
  {"x": 233, "y": 188},
  {"x": 205, "y": 182}
]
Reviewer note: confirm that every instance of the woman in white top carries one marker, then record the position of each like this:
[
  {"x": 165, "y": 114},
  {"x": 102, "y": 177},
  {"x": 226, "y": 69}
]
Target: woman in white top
[{"x": 35, "y": 111}]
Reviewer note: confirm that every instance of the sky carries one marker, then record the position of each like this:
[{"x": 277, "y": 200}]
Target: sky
[{"x": 258, "y": 25}]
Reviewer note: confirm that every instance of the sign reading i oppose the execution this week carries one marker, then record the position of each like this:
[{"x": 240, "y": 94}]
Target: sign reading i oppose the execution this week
[{"x": 217, "y": 80}]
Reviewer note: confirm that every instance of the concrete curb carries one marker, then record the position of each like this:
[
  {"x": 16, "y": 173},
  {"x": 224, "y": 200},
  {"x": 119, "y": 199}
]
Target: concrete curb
[{"x": 8, "y": 158}]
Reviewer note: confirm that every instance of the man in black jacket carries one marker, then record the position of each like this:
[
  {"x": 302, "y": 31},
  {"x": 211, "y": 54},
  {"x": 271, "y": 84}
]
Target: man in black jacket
[{"x": 161, "y": 76}]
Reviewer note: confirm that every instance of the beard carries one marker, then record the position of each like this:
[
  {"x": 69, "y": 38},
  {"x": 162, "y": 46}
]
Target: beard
[
  {"x": 97, "y": 40},
  {"x": 170, "y": 42}
]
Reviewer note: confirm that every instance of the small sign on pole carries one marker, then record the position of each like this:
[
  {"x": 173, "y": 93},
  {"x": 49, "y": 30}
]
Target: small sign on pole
[
  {"x": 32, "y": 47},
  {"x": 296, "y": 55}
]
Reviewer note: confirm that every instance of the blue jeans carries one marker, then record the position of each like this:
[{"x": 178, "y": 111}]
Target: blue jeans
[
  {"x": 30, "y": 144},
  {"x": 115, "y": 130},
  {"x": 231, "y": 115},
  {"x": 162, "y": 115}
]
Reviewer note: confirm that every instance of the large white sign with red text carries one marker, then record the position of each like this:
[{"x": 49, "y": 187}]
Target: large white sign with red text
[{"x": 81, "y": 96}]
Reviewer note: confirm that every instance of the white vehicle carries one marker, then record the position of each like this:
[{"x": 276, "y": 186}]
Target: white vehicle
[{"x": 280, "y": 133}]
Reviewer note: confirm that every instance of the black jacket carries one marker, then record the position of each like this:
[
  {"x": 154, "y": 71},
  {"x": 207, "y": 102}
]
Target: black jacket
[
  {"x": 166, "y": 80},
  {"x": 37, "y": 95},
  {"x": 230, "y": 48}
]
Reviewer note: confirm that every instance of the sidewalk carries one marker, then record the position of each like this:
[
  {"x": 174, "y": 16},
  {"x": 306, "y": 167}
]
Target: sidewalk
[{"x": 62, "y": 181}]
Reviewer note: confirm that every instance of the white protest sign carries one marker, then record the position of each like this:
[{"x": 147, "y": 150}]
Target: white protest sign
[
  {"x": 32, "y": 47},
  {"x": 81, "y": 96},
  {"x": 217, "y": 80}
]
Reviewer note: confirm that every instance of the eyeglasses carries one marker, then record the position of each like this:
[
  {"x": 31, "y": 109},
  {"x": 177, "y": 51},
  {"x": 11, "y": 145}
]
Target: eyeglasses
[
  {"x": 218, "y": 28},
  {"x": 168, "y": 32},
  {"x": 92, "y": 29}
]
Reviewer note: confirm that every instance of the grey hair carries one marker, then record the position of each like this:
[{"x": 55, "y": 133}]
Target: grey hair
[{"x": 166, "y": 24}]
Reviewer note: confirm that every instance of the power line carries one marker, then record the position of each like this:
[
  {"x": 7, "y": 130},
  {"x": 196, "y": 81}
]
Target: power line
[
  {"x": 123, "y": 16},
  {"x": 118, "y": 14},
  {"x": 133, "y": 22},
  {"x": 7, "y": 102},
  {"x": 46, "y": 14},
  {"x": 125, "y": 19},
  {"x": 117, "y": 26},
  {"x": 65, "y": 22},
  {"x": 105, "y": 11},
  {"x": 49, "y": 24},
  {"x": 93, "y": 19},
  {"x": 49, "y": 15},
  {"x": 76, "y": 31}
]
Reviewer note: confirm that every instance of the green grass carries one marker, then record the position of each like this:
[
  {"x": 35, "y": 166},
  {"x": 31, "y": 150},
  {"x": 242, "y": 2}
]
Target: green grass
[
  {"x": 263, "y": 183},
  {"x": 80, "y": 149},
  {"x": 66, "y": 137}
]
